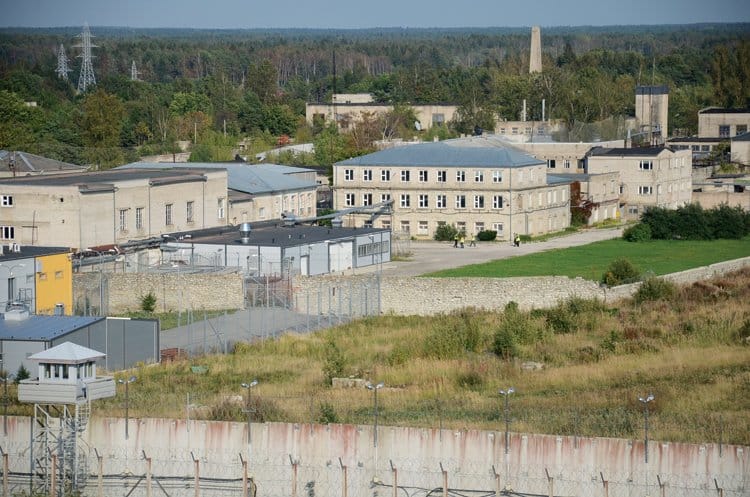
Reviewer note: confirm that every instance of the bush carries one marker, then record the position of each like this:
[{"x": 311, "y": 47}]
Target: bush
[
  {"x": 453, "y": 335},
  {"x": 327, "y": 414},
  {"x": 505, "y": 345},
  {"x": 640, "y": 232},
  {"x": 22, "y": 373},
  {"x": 445, "y": 233},
  {"x": 333, "y": 362},
  {"x": 486, "y": 235},
  {"x": 148, "y": 302},
  {"x": 655, "y": 289},
  {"x": 620, "y": 272},
  {"x": 691, "y": 222}
]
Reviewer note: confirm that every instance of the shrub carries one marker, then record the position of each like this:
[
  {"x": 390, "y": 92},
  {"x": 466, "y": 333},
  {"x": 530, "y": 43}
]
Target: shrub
[
  {"x": 561, "y": 320},
  {"x": 445, "y": 233},
  {"x": 333, "y": 362},
  {"x": 487, "y": 235},
  {"x": 655, "y": 289},
  {"x": 504, "y": 345},
  {"x": 22, "y": 373},
  {"x": 640, "y": 232},
  {"x": 148, "y": 302},
  {"x": 452, "y": 336},
  {"x": 327, "y": 414},
  {"x": 620, "y": 271}
]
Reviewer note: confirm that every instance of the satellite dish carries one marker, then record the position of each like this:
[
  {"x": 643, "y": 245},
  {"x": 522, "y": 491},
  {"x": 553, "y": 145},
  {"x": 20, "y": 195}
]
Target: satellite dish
[{"x": 417, "y": 125}]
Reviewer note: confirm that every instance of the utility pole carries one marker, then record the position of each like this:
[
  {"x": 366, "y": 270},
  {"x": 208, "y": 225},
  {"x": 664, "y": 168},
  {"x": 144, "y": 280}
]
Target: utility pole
[{"x": 62, "y": 63}]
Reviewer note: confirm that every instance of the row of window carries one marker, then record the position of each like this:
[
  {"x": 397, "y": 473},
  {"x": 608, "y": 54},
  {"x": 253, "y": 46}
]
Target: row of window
[
  {"x": 423, "y": 175},
  {"x": 168, "y": 214},
  {"x": 459, "y": 201},
  {"x": 724, "y": 130}
]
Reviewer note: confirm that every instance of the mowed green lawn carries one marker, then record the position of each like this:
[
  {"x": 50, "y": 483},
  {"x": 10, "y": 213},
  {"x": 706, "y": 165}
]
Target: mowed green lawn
[{"x": 590, "y": 261}]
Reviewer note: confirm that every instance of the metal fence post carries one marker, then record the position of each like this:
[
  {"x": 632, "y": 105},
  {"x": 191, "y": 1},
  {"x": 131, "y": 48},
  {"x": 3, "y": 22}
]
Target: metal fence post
[
  {"x": 53, "y": 477},
  {"x": 148, "y": 474},
  {"x": 197, "y": 464},
  {"x": 5, "y": 471},
  {"x": 719, "y": 490},
  {"x": 244, "y": 475},
  {"x": 100, "y": 475},
  {"x": 662, "y": 487},
  {"x": 394, "y": 470},
  {"x": 551, "y": 483},
  {"x": 294, "y": 475},
  {"x": 445, "y": 480},
  {"x": 343, "y": 478},
  {"x": 605, "y": 484}
]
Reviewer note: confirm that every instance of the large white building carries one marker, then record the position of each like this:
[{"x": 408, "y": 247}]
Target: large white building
[{"x": 475, "y": 184}]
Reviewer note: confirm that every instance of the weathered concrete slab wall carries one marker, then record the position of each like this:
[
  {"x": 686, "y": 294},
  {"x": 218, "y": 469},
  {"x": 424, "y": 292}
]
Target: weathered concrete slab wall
[{"x": 471, "y": 458}]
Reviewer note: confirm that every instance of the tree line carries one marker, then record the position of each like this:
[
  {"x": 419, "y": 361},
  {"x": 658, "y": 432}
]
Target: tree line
[{"x": 213, "y": 87}]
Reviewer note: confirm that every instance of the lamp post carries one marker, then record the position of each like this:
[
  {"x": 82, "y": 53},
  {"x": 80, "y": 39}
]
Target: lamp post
[
  {"x": 127, "y": 402},
  {"x": 249, "y": 409},
  {"x": 645, "y": 402},
  {"x": 8, "y": 376},
  {"x": 506, "y": 394},
  {"x": 375, "y": 389}
]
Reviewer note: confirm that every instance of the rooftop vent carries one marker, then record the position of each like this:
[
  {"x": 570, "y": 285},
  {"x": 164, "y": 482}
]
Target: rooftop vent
[{"x": 245, "y": 233}]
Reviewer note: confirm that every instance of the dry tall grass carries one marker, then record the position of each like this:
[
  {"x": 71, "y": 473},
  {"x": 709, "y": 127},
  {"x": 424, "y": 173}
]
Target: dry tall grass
[{"x": 691, "y": 351}]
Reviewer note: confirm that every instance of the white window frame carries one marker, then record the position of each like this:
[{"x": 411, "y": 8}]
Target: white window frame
[
  {"x": 442, "y": 176},
  {"x": 423, "y": 201},
  {"x": 405, "y": 200},
  {"x": 497, "y": 202},
  {"x": 479, "y": 176},
  {"x": 405, "y": 176},
  {"x": 497, "y": 176},
  {"x": 461, "y": 176},
  {"x": 6, "y": 201},
  {"x": 348, "y": 174},
  {"x": 367, "y": 175},
  {"x": 441, "y": 201},
  {"x": 385, "y": 175},
  {"x": 123, "y": 218},
  {"x": 460, "y": 202},
  {"x": 384, "y": 197},
  {"x": 7, "y": 232},
  {"x": 367, "y": 199},
  {"x": 350, "y": 199},
  {"x": 168, "y": 221},
  {"x": 190, "y": 211},
  {"x": 423, "y": 176},
  {"x": 221, "y": 208},
  {"x": 645, "y": 190},
  {"x": 139, "y": 218},
  {"x": 479, "y": 201}
]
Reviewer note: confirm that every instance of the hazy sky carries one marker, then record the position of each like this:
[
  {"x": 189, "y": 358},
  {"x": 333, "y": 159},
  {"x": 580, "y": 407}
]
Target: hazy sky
[{"x": 361, "y": 14}]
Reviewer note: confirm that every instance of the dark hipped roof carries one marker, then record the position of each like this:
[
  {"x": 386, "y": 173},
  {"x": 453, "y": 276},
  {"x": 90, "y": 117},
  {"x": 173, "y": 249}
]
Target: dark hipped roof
[
  {"x": 466, "y": 152},
  {"x": 43, "y": 327}
]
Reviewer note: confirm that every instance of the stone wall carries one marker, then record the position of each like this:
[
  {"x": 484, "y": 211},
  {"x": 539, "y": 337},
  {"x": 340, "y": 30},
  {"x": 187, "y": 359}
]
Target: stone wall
[
  {"x": 198, "y": 291},
  {"x": 429, "y": 296}
]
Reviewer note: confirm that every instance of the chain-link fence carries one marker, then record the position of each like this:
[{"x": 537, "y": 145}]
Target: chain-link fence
[{"x": 124, "y": 472}]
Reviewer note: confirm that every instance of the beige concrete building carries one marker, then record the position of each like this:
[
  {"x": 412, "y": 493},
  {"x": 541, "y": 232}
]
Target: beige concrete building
[
  {"x": 722, "y": 123},
  {"x": 741, "y": 149},
  {"x": 653, "y": 176},
  {"x": 259, "y": 192},
  {"x": 110, "y": 207},
  {"x": 16, "y": 163},
  {"x": 351, "y": 108},
  {"x": 474, "y": 184},
  {"x": 602, "y": 190},
  {"x": 652, "y": 113},
  {"x": 565, "y": 158}
]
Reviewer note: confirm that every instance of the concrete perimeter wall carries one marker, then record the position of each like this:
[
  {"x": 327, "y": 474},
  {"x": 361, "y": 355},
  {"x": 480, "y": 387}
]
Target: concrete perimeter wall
[
  {"x": 429, "y": 296},
  {"x": 472, "y": 459}
]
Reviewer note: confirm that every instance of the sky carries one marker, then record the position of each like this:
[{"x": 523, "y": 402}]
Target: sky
[{"x": 354, "y": 14}]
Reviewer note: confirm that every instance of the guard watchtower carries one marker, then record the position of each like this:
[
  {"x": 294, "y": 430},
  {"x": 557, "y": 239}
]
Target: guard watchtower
[{"x": 66, "y": 384}]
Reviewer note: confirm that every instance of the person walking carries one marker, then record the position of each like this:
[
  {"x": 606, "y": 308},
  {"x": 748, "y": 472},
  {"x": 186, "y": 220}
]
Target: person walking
[
  {"x": 473, "y": 241},
  {"x": 455, "y": 240},
  {"x": 517, "y": 240},
  {"x": 462, "y": 240}
]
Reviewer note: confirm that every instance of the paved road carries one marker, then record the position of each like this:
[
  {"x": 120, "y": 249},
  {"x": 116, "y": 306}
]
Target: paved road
[{"x": 429, "y": 256}]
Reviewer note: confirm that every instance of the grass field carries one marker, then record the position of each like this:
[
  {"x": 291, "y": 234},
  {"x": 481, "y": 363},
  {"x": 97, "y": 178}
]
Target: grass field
[
  {"x": 692, "y": 350},
  {"x": 590, "y": 261}
]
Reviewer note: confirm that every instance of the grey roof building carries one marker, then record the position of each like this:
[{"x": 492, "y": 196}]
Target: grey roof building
[
  {"x": 16, "y": 163},
  {"x": 475, "y": 184}
]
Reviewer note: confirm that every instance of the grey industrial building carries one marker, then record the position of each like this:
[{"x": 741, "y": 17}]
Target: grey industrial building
[{"x": 125, "y": 342}]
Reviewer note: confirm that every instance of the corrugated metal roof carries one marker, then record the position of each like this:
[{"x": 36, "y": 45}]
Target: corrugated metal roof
[
  {"x": 241, "y": 177},
  {"x": 634, "y": 151},
  {"x": 468, "y": 152},
  {"x": 31, "y": 163},
  {"x": 67, "y": 353},
  {"x": 43, "y": 327}
]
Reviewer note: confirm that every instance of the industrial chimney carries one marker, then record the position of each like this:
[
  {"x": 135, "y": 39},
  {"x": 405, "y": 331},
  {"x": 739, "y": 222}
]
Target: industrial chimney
[
  {"x": 245, "y": 233},
  {"x": 535, "y": 56}
]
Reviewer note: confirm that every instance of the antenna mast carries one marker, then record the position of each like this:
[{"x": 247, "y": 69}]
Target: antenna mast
[
  {"x": 87, "y": 77},
  {"x": 62, "y": 63}
]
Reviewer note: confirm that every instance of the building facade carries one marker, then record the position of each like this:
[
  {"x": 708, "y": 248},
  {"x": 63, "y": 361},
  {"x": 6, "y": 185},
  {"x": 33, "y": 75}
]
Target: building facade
[
  {"x": 474, "y": 184},
  {"x": 648, "y": 177},
  {"x": 722, "y": 123},
  {"x": 40, "y": 279},
  {"x": 110, "y": 207},
  {"x": 652, "y": 113}
]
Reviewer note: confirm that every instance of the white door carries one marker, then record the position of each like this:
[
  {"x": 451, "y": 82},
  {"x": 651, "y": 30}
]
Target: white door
[{"x": 340, "y": 256}]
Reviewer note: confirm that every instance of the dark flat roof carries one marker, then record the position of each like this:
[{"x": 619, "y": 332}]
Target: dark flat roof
[
  {"x": 43, "y": 327},
  {"x": 695, "y": 139},
  {"x": 719, "y": 110},
  {"x": 652, "y": 90},
  {"x": 28, "y": 251},
  {"x": 99, "y": 178},
  {"x": 275, "y": 235},
  {"x": 633, "y": 151}
]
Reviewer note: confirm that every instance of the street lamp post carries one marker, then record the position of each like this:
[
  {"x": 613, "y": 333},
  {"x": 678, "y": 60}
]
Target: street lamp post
[
  {"x": 127, "y": 402},
  {"x": 249, "y": 410},
  {"x": 375, "y": 389},
  {"x": 645, "y": 402},
  {"x": 506, "y": 394},
  {"x": 8, "y": 376}
]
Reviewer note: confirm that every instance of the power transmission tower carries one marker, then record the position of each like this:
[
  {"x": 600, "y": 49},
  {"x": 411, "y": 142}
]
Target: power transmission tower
[
  {"x": 62, "y": 63},
  {"x": 87, "y": 77},
  {"x": 134, "y": 72}
]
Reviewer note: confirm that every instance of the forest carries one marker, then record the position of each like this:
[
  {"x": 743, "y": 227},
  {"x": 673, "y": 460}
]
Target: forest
[{"x": 216, "y": 87}]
